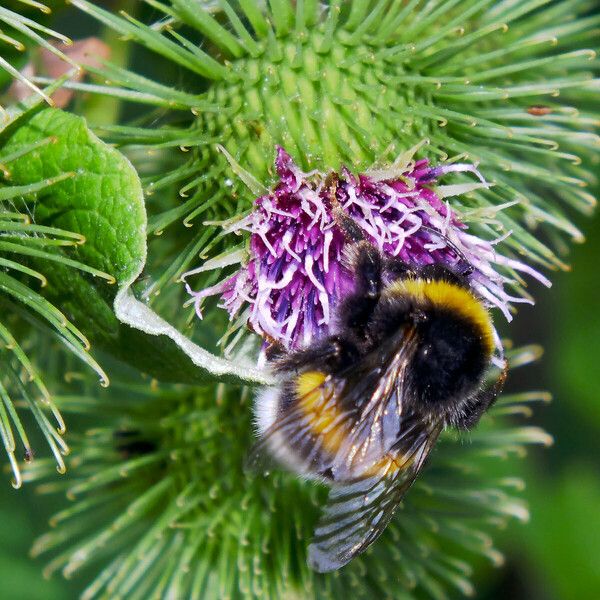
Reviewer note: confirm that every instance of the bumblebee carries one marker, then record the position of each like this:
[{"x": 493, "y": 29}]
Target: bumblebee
[{"x": 362, "y": 408}]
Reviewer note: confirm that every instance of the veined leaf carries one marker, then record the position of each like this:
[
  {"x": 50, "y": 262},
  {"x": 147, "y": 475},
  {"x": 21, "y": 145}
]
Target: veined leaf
[{"x": 103, "y": 203}]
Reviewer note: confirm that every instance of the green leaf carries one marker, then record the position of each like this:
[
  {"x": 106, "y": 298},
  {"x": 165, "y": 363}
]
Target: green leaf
[{"x": 103, "y": 202}]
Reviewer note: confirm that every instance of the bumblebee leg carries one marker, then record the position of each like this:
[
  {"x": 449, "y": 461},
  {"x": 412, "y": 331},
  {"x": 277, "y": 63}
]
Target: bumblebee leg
[
  {"x": 464, "y": 267},
  {"x": 332, "y": 354},
  {"x": 357, "y": 309},
  {"x": 273, "y": 349},
  {"x": 347, "y": 224},
  {"x": 343, "y": 220}
]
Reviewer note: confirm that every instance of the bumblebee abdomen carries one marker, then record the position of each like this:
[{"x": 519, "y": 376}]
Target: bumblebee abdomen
[{"x": 317, "y": 403}]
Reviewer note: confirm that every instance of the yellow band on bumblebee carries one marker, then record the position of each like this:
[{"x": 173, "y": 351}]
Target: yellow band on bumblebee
[
  {"x": 317, "y": 402},
  {"x": 453, "y": 298}
]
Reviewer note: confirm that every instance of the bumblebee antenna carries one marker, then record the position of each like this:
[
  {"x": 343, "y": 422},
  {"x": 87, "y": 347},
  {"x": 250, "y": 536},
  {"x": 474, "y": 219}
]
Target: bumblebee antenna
[
  {"x": 469, "y": 267},
  {"x": 350, "y": 228}
]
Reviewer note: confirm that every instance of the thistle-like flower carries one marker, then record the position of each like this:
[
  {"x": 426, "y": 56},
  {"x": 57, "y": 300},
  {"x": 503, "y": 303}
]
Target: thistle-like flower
[{"x": 295, "y": 272}]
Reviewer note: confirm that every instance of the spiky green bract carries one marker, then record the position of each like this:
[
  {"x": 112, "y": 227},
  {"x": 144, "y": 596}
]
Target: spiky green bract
[
  {"x": 160, "y": 507},
  {"x": 355, "y": 82},
  {"x": 20, "y": 33},
  {"x": 28, "y": 252}
]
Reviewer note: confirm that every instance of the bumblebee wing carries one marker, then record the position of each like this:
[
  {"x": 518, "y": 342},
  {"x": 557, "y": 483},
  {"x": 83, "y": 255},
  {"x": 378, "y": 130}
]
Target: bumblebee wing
[
  {"x": 337, "y": 426},
  {"x": 357, "y": 512},
  {"x": 379, "y": 393},
  {"x": 306, "y": 425}
]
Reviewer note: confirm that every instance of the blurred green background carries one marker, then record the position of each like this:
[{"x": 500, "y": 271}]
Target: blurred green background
[{"x": 556, "y": 556}]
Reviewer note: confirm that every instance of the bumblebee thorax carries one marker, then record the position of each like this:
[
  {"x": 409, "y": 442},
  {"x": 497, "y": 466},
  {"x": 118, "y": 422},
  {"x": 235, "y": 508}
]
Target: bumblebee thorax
[
  {"x": 455, "y": 339},
  {"x": 444, "y": 299}
]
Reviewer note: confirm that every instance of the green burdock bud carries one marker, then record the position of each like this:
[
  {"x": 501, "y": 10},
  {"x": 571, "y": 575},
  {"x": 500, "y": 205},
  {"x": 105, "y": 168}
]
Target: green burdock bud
[
  {"x": 509, "y": 87},
  {"x": 159, "y": 504}
]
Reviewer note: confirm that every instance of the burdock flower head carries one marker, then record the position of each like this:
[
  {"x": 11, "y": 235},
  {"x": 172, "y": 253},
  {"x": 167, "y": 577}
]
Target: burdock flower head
[
  {"x": 295, "y": 272},
  {"x": 507, "y": 94}
]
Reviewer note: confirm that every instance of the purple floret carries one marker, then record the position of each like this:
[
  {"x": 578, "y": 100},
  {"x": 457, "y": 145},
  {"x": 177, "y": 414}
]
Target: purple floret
[{"x": 295, "y": 275}]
